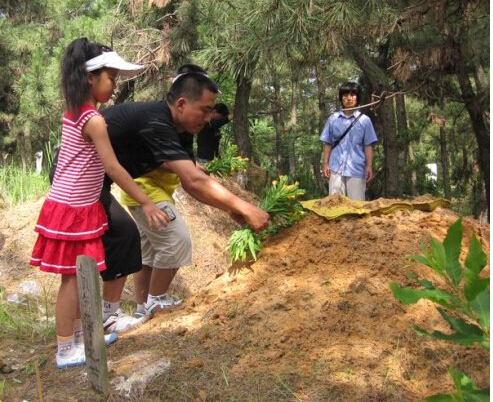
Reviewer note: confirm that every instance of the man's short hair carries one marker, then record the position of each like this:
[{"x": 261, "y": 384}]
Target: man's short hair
[
  {"x": 350, "y": 87},
  {"x": 190, "y": 85},
  {"x": 190, "y": 68},
  {"x": 222, "y": 109}
]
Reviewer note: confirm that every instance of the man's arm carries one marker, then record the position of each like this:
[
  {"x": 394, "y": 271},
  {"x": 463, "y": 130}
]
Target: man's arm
[
  {"x": 325, "y": 165},
  {"x": 369, "y": 162},
  {"x": 207, "y": 190}
]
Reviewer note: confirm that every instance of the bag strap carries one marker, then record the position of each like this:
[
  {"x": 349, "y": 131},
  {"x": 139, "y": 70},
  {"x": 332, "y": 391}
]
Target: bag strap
[{"x": 337, "y": 142}]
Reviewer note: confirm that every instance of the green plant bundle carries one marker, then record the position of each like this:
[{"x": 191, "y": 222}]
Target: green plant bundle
[
  {"x": 465, "y": 304},
  {"x": 280, "y": 201},
  {"x": 228, "y": 164}
]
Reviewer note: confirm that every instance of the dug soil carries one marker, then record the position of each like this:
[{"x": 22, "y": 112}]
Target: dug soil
[{"x": 313, "y": 319}]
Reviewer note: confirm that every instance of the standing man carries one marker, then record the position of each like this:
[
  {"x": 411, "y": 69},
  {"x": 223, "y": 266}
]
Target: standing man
[
  {"x": 348, "y": 138},
  {"x": 210, "y": 136},
  {"x": 148, "y": 136}
]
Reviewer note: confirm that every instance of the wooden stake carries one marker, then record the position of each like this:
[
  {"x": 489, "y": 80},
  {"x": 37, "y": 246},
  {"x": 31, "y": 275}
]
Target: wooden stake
[{"x": 92, "y": 323}]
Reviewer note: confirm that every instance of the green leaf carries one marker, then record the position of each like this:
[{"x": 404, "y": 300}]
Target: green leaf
[
  {"x": 460, "y": 325},
  {"x": 410, "y": 296},
  {"x": 481, "y": 306},
  {"x": 462, "y": 339},
  {"x": 475, "y": 262},
  {"x": 454, "y": 271},
  {"x": 476, "y": 259},
  {"x": 441, "y": 398},
  {"x": 421, "y": 259},
  {"x": 474, "y": 285},
  {"x": 466, "y": 390},
  {"x": 452, "y": 248},
  {"x": 438, "y": 257},
  {"x": 453, "y": 240},
  {"x": 426, "y": 284}
]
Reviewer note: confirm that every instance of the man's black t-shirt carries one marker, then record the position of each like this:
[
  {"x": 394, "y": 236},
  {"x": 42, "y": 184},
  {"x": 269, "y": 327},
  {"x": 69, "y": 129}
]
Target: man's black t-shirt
[{"x": 143, "y": 136}]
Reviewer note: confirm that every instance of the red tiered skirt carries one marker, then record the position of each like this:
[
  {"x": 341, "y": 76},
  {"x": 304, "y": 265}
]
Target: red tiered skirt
[{"x": 65, "y": 232}]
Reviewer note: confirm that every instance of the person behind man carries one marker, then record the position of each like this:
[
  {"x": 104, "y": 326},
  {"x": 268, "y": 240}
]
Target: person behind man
[
  {"x": 348, "y": 138},
  {"x": 148, "y": 136},
  {"x": 210, "y": 136}
]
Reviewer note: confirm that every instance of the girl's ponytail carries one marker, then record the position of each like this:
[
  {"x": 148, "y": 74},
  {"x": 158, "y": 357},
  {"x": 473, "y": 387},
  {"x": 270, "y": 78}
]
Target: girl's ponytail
[{"x": 75, "y": 85}]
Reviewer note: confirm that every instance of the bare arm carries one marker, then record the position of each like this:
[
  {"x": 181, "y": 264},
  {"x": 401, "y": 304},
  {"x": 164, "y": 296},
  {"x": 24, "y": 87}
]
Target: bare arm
[
  {"x": 207, "y": 190},
  {"x": 369, "y": 162},
  {"x": 325, "y": 166},
  {"x": 95, "y": 130}
]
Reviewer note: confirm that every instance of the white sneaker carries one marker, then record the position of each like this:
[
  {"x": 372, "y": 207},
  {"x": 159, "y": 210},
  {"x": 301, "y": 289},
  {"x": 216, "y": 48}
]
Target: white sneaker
[
  {"x": 70, "y": 357},
  {"x": 163, "y": 302},
  {"x": 108, "y": 339},
  {"x": 121, "y": 322}
]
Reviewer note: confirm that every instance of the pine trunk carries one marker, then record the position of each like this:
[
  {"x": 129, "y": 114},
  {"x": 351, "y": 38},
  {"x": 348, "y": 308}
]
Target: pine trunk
[
  {"x": 243, "y": 87},
  {"x": 444, "y": 158},
  {"x": 386, "y": 113}
]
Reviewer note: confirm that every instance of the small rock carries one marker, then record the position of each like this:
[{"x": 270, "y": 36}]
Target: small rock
[{"x": 343, "y": 306}]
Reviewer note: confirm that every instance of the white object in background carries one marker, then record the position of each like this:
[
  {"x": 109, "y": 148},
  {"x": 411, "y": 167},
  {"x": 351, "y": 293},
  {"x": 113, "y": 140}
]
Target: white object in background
[
  {"x": 433, "y": 171},
  {"x": 30, "y": 288},
  {"x": 39, "y": 161}
]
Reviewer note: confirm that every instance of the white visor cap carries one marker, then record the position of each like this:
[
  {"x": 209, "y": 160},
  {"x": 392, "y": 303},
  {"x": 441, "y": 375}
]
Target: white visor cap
[{"x": 113, "y": 60}]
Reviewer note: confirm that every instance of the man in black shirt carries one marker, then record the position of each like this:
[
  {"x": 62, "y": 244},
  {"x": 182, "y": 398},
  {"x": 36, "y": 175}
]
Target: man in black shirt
[
  {"x": 210, "y": 136},
  {"x": 157, "y": 135}
]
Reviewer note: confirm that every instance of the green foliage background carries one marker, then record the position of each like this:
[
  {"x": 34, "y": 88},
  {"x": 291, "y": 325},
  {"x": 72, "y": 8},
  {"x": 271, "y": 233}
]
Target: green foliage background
[{"x": 293, "y": 53}]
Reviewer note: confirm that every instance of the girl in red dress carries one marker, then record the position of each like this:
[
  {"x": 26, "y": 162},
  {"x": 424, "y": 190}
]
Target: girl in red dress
[{"x": 72, "y": 219}]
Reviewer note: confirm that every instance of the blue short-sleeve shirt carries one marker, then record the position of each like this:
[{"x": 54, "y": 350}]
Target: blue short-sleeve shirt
[{"x": 348, "y": 158}]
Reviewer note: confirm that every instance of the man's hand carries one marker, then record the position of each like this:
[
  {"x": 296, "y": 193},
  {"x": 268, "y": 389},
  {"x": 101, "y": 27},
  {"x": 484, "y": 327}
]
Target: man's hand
[
  {"x": 255, "y": 217},
  {"x": 326, "y": 171},
  {"x": 369, "y": 174}
]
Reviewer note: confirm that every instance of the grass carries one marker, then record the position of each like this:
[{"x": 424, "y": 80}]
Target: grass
[
  {"x": 26, "y": 328},
  {"x": 26, "y": 321},
  {"x": 18, "y": 185}
]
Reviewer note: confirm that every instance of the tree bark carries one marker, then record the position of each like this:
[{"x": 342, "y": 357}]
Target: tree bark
[
  {"x": 444, "y": 158},
  {"x": 24, "y": 146},
  {"x": 278, "y": 121},
  {"x": 323, "y": 114},
  {"x": 293, "y": 119},
  {"x": 401, "y": 119},
  {"x": 414, "y": 175},
  {"x": 386, "y": 112},
  {"x": 481, "y": 131},
  {"x": 243, "y": 88}
]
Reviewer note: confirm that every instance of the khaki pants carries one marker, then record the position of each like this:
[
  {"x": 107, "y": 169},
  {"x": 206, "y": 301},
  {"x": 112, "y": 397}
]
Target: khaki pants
[{"x": 351, "y": 187}]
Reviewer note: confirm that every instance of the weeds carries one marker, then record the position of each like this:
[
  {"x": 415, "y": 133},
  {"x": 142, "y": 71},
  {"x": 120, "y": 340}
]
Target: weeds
[
  {"x": 24, "y": 321},
  {"x": 464, "y": 301},
  {"x": 228, "y": 164},
  {"x": 18, "y": 185}
]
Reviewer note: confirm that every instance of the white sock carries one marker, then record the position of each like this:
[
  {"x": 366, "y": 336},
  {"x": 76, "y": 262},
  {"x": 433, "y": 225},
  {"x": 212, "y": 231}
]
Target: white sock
[
  {"x": 65, "y": 344},
  {"x": 78, "y": 333},
  {"x": 151, "y": 298},
  {"x": 141, "y": 308},
  {"x": 109, "y": 308}
]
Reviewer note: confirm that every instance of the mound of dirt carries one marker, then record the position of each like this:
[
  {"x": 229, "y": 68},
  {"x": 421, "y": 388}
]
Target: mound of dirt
[{"x": 312, "y": 320}]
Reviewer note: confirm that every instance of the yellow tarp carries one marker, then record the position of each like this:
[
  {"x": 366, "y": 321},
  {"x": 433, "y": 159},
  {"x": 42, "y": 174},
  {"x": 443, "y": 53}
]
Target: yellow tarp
[{"x": 338, "y": 206}]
